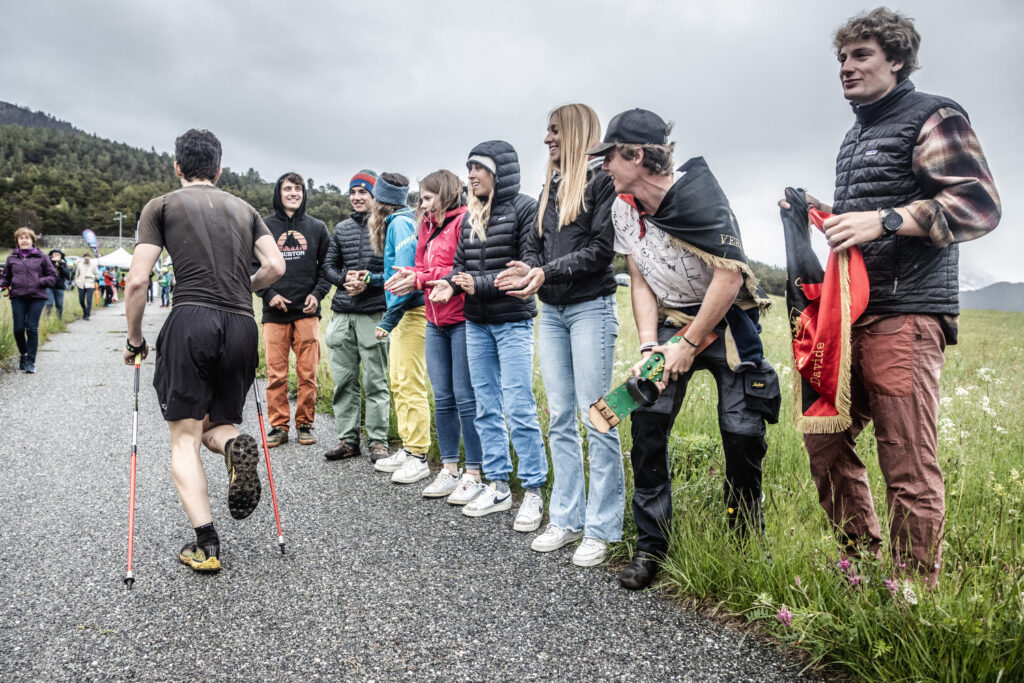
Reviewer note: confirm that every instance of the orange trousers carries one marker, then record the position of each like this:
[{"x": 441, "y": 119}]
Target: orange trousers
[{"x": 303, "y": 337}]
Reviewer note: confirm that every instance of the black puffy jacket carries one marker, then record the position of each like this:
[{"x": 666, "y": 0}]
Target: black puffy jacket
[
  {"x": 350, "y": 250},
  {"x": 874, "y": 170},
  {"x": 513, "y": 216},
  {"x": 576, "y": 258}
]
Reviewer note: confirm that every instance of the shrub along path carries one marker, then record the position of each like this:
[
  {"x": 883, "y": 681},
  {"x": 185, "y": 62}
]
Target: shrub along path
[{"x": 377, "y": 583}]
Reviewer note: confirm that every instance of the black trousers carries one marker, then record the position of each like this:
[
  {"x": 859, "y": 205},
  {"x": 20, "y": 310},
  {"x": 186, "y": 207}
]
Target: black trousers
[{"x": 743, "y": 441}]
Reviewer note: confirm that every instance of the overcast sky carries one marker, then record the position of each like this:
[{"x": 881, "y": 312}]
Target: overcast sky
[{"x": 328, "y": 88}]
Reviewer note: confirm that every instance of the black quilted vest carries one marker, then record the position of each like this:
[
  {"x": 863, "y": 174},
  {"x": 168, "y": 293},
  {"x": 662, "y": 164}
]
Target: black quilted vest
[{"x": 874, "y": 171}]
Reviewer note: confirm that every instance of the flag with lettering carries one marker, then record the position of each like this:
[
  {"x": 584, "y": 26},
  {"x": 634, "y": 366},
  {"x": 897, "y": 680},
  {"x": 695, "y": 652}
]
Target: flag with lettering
[{"x": 823, "y": 306}]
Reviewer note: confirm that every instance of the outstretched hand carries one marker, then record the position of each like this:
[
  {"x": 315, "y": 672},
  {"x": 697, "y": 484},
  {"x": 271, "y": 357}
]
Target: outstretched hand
[
  {"x": 441, "y": 291},
  {"x": 512, "y": 276},
  {"x": 402, "y": 282},
  {"x": 529, "y": 285},
  {"x": 465, "y": 280}
]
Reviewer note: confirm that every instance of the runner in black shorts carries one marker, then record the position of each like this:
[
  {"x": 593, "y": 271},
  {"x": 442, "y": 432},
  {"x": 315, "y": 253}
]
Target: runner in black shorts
[{"x": 207, "y": 349}]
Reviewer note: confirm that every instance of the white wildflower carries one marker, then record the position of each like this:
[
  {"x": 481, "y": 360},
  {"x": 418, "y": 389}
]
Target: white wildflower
[
  {"x": 986, "y": 374},
  {"x": 908, "y": 593},
  {"x": 1000, "y": 430},
  {"x": 962, "y": 391}
]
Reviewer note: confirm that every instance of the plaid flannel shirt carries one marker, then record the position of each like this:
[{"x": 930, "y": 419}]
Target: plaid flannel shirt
[{"x": 950, "y": 165}]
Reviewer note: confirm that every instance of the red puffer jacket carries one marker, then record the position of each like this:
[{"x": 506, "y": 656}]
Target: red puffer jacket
[{"x": 435, "y": 251}]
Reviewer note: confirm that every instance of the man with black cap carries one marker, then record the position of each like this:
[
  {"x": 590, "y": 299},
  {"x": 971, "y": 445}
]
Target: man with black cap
[{"x": 687, "y": 270}]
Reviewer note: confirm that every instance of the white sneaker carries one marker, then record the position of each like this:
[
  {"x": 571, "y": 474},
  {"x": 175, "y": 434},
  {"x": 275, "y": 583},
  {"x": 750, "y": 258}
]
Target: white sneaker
[
  {"x": 444, "y": 483},
  {"x": 592, "y": 552},
  {"x": 412, "y": 470},
  {"x": 467, "y": 490},
  {"x": 488, "y": 501},
  {"x": 531, "y": 512},
  {"x": 555, "y": 537},
  {"x": 393, "y": 462}
]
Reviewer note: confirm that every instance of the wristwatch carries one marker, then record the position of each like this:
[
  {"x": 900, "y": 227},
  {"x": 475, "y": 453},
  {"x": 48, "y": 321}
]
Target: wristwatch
[{"x": 892, "y": 221}]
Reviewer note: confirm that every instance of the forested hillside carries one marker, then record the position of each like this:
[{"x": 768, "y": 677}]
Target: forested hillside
[{"x": 59, "y": 180}]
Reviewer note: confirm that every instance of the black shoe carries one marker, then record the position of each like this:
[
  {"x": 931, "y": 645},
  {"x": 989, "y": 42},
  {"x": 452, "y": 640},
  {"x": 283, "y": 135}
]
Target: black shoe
[
  {"x": 306, "y": 435},
  {"x": 640, "y": 572},
  {"x": 276, "y": 436},
  {"x": 345, "y": 449},
  {"x": 201, "y": 558},
  {"x": 244, "y": 489}
]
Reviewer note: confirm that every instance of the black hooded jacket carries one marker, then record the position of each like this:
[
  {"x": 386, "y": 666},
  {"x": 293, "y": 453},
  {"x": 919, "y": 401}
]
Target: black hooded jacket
[
  {"x": 513, "y": 216},
  {"x": 303, "y": 242}
]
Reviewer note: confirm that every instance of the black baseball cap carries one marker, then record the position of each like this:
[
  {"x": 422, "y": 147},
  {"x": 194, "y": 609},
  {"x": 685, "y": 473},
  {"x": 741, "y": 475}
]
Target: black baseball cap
[{"x": 635, "y": 127}]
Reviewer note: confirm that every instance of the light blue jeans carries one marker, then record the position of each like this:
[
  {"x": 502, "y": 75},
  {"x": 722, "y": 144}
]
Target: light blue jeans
[
  {"x": 501, "y": 368},
  {"x": 454, "y": 401},
  {"x": 577, "y": 356}
]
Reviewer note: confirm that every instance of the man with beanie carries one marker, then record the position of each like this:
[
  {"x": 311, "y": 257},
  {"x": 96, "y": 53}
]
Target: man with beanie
[
  {"x": 291, "y": 310},
  {"x": 911, "y": 184},
  {"x": 690, "y": 280},
  {"x": 358, "y": 306}
]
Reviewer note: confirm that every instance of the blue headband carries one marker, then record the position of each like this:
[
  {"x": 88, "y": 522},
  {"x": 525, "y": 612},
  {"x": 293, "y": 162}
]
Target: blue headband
[{"x": 386, "y": 193}]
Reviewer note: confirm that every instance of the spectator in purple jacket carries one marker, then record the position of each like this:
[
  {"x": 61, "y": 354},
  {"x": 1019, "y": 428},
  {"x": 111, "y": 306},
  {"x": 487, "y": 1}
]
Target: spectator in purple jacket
[{"x": 27, "y": 275}]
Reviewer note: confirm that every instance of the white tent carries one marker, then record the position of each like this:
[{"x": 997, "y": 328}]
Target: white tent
[{"x": 116, "y": 259}]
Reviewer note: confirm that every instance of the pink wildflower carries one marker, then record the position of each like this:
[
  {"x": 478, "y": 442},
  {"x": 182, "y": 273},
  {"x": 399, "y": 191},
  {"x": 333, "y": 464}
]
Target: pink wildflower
[
  {"x": 892, "y": 585},
  {"x": 844, "y": 564},
  {"x": 797, "y": 580},
  {"x": 784, "y": 616},
  {"x": 854, "y": 580}
]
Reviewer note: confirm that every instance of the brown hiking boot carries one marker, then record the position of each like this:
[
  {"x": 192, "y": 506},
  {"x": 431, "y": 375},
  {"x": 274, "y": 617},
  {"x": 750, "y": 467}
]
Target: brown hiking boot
[
  {"x": 306, "y": 435},
  {"x": 378, "y": 450},
  {"x": 345, "y": 449},
  {"x": 277, "y": 436}
]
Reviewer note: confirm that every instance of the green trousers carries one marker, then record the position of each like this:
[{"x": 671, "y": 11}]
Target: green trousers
[{"x": 351, "y": 341}]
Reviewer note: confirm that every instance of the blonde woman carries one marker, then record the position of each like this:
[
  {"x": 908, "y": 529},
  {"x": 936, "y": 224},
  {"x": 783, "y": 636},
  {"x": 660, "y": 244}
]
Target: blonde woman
[
  {"x": 571, "y": 249},
  {"x": 499, "y": 331}
]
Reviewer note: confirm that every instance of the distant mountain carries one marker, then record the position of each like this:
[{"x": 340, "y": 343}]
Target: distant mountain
[
  {"x": 1002, "y": 296},
  {"x": 972, "y": 277},
  {"x": 12, "y": 113}
]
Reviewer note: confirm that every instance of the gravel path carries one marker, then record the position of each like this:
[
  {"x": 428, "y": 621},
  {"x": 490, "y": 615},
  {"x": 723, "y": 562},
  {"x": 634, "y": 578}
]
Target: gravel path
[{"x": 378, "y": 583}]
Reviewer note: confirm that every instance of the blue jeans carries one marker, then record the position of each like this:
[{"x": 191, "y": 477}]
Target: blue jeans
[
  {"x": 577, "y": 356},
  {"x": 165, "y": 295},
  {"x": 85, "y": 301},
  {"x": 502, "y": 375},
  {"x": 454, "y": 399},
  {"x": 25, "y": 314},
  {"x": 55, "y": 296}
]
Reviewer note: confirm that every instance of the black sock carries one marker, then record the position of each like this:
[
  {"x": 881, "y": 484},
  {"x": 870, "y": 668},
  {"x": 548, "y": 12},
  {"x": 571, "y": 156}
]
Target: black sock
[{"x": 206, "y": 535}]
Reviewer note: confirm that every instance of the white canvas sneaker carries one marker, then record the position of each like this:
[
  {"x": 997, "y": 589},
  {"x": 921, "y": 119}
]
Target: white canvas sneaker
[
  {"x": 592, "y": 552},
  {"x": 412, "y": 470},
  {"x": 444, "y": 483},
  {"x": 393, "y": 462},
  {"x": 555, "y": 537},
  {"x": 530, "y": 513},
  {"x": 467, "y": 490},
  {"x": 489, "y": 500}
]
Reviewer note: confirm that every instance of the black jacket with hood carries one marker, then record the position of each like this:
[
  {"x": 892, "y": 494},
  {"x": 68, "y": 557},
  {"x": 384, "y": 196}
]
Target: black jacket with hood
[
  {"x": 303, "y": 241},
  {"x": 513, "y": 216},
  {"x": 576, "y": 258},
  {"x": 351, "y": 250}
]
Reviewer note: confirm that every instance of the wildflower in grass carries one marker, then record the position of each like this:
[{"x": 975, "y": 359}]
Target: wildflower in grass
[
  {"x": 784, "y": 616},
  {"x": 1000, "y": 430},
  {"x": 893, "y": 585},
  {"x": 854, "y": 580},
  {"x": 797, "y": 580},
  {"x": 961, "y": 391},
  {"x": 763, "y": 599},
  {"x": 908, "y": 593},
  {"x": 986, "y": 407},
  {"x": 844, "y": 565},
  {"x": 945, "y": 401},
  {"x": 987, "y": 374}
]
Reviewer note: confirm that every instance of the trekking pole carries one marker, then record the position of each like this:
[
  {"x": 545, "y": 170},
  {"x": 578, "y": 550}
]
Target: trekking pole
[
  {"x": 266, "y": 453},
  {"x": 129, "y": 577}
]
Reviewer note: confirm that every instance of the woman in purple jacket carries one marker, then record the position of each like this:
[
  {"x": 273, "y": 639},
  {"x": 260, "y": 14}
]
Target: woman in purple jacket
[{"x": 27, "y": 274}]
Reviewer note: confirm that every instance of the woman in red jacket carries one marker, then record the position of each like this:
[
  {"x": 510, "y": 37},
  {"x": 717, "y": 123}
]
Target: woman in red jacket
[{"x": 441, "y": 211}]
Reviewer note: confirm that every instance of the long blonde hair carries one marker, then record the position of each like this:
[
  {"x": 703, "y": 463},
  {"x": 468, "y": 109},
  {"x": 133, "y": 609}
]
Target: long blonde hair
[
  {"x": 579, "y": 128},
  {"x": 379, "y": 212},
  {"x": 478, "y": 212}
]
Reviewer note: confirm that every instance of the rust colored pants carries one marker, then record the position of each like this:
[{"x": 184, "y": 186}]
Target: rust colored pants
[
  {"x": 302, "y": 336},
  {"x": 897, "y": 362}
]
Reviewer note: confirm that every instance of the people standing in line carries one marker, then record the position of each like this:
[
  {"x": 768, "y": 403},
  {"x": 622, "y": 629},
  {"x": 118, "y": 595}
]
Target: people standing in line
[
  {"x": 207, "y": 350},
  {"x": 291, "y": 310},
  {"x": 86, "y": 275},
  {"x": 441, "y": 215},
  {"x": 357, "y": 308},
  {"x": 571, "y": 250},
  {"x": 55, "y": 294},
  {"x": 393, "y": 235},
  {"x": 911, "y": 183},
  {"x": 165, "y": 287},
  {"x": 108, "y": 287},
  {"x": 687, "y": 267},
  {"x": 499, "y": 331},
  {"x": 27, "y": 275}
]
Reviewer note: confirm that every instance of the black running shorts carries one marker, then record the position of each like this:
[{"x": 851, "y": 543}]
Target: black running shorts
[{"x": 205, "y": 364}]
